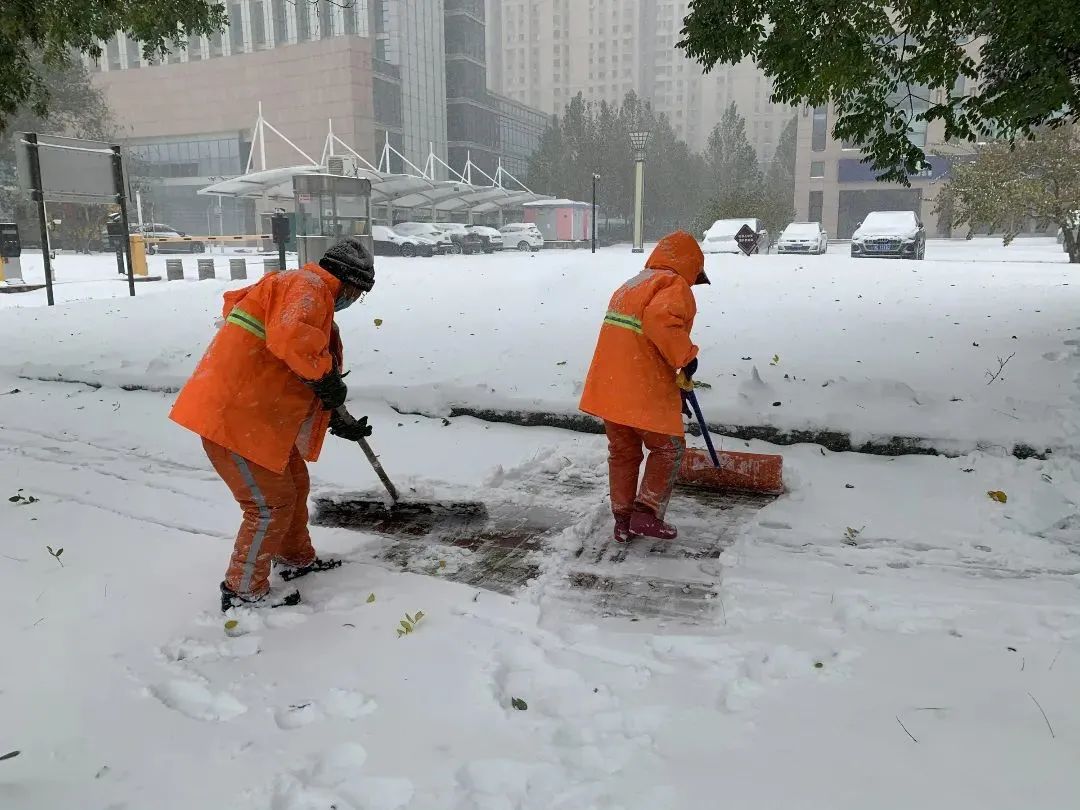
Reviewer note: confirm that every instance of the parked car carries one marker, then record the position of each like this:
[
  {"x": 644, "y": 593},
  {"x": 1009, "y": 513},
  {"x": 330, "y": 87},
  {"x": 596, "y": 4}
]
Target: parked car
[
  {"x": 389, "y": 242},
  {"x": 522, "y": 235},
  {"x": 493, "y": 239},
  {"x": 152, "y": 231},
  {"x": 720, "y": 238},
  {"x": 899, "y": 234},
  {"x": 803, "y": 237},
  {"x": 431, "y": 231},
  {"x": 155, "y": 230},
  {"x": 466, "y": 240}
]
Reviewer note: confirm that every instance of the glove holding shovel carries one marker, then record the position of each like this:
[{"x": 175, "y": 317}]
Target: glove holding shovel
[
  {"x": 345, "y": 426},
  {"x": 684, "y": 379}
]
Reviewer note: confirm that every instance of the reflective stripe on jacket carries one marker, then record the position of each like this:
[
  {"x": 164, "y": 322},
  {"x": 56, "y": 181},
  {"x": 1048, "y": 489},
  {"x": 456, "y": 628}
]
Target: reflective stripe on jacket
[
  {"x": 645, "y": 339},
  {"x": 247, "y": 393}
]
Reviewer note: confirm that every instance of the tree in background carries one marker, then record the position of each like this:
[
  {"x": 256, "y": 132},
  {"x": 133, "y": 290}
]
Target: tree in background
[
  {"x": 981, "y": 67},
  {"x": 40, "y": 36},
  {"x": 778, "y": 194},
  {"x": 735, "y": 182},
  {"x": 1006, "y": 186},
  {"x": 78, "y": 110},
  {"x": 595, "y": 139}
]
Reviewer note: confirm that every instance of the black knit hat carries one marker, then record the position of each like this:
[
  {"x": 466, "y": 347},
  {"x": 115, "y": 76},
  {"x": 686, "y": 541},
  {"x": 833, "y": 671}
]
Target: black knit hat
[{"x": 350, "y": 261}]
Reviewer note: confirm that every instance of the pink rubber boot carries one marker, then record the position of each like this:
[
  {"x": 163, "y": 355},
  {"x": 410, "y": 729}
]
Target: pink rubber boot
[{"x": 646, "y": 524}]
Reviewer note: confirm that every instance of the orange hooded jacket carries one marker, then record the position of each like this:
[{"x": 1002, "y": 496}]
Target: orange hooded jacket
[
  {"x": 248, "y": 392},
  {"x": 645, "y": 340}
]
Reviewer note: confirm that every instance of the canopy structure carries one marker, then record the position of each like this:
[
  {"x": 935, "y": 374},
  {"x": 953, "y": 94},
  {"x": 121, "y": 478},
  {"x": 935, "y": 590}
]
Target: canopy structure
[{"x": 418, "y": 188}]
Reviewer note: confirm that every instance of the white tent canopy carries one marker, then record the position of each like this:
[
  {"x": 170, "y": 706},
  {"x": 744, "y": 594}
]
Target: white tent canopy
[{"x": 399, "y": 190}]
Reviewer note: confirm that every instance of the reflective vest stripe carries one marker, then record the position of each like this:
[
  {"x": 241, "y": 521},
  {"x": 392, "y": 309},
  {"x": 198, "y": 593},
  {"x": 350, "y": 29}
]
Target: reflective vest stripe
[
  {"x": 625, "y": 321},
  {"x": 247, "y": 322}
]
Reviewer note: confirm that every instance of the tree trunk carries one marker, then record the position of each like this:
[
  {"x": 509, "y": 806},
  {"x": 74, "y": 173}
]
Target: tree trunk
[{"x": 1072, "y": 246}]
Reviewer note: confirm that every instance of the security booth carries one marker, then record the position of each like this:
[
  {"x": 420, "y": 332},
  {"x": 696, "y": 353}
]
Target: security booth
[{"x": 330, "y": 208}]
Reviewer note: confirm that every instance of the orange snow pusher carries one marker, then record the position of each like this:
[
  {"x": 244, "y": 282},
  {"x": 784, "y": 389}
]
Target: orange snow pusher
[{"x": 728, "y": 470}]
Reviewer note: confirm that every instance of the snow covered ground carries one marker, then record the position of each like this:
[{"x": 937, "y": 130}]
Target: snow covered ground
[
  {"x": 874, "y": 348},
  {"x": 884, "y": 635}
]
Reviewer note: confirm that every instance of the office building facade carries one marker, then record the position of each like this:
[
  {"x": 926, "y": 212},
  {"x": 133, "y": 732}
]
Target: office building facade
[{"x": 834, "y": 187}]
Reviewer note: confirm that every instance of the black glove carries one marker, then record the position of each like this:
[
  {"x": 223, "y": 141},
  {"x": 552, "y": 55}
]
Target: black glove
[
  {"x": 346, "y": 427},
  {"x": 690, "y": 369},
  {"x": 331, "y": 390}
]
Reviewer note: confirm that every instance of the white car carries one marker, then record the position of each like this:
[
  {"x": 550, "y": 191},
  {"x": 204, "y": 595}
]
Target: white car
[
  {"x": 897, "y": 234},
  {"x": 493, "y": 239},
  {"x": 389, "y": 242},
  {"x": 720, "y": 238},
  {"x": 803, "y": 237},
  {"x": 522, "y": 235}
]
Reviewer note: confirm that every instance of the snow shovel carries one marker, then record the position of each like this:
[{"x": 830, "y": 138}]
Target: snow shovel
[
  {"x": 397, "y": 517},
  {"x": 728, "y": 470}
]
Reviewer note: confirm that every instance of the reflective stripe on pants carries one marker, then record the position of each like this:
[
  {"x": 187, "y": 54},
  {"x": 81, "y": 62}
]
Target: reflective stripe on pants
[
  {"x": 275, "y": 517},
  {"x": 626, "y": 446}
]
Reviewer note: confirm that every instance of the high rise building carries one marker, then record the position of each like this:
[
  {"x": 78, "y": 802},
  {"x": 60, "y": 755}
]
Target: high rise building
[
  {"x": 482, "y": 127},
  {"x": 381, "y": 70},
  {"x": 410, "y": 75},
  {"x": 544, "y": 52},
  {"x": 189, "y": 118}
]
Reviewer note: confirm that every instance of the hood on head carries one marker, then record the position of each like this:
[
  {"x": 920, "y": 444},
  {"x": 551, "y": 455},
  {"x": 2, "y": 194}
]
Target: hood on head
[{"x": 680, "y": 253}]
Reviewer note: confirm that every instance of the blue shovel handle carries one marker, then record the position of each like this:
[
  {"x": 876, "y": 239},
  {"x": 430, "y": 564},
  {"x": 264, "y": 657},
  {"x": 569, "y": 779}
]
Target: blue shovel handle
[{"x": 691, "y": 397}]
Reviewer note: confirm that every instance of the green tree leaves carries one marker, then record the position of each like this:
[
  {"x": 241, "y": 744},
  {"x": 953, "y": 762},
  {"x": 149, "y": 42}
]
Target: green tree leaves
[
  {"x": 34, "y": 35},
  {"x": 889, "y": 66},
  {"x": 1004, "y": 188}
]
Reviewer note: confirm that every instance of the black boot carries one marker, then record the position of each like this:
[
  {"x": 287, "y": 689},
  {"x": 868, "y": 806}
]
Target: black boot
[
  {"x": 232, "y": 599},
  {"x": 291, "y": 572}
]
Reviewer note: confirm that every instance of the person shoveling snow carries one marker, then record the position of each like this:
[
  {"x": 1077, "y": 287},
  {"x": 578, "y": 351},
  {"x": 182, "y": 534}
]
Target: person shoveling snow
[
  {"x": 263, "y": 397},
  {"x": 644, "y": 344}
]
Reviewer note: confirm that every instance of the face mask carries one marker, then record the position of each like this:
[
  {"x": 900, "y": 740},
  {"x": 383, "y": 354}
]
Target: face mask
[{"x": 348, "y": 296}]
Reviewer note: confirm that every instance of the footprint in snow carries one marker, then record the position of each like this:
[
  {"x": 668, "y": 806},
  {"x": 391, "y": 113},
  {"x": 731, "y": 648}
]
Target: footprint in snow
[
  {"x": 334, "y": 779},
  {"x": 196, "y": 701},
  {"x": 338, "y": 703}
]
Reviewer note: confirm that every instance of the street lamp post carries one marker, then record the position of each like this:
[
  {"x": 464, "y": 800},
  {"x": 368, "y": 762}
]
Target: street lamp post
[
  {"x": 639, "y": 140},
  {"x": 595, "y": 179}
]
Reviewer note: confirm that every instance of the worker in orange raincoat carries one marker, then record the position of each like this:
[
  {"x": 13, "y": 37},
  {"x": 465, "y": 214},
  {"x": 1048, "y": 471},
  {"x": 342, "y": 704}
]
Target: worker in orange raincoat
[
  {"x": 263, "y": 397},
  {"x": 644, "y": 346}
]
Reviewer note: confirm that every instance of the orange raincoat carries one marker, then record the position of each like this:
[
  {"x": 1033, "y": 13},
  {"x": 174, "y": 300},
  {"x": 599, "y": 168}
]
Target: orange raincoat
[
  {"x": 248, "y": 392},
  {"x": 645, "y": 340}
]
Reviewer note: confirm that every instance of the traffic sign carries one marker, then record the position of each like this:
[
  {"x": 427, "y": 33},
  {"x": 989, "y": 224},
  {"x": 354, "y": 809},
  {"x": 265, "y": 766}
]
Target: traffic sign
[{"x": 747, "y": 239}]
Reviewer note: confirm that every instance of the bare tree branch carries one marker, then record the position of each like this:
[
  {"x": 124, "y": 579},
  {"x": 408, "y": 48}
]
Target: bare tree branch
[{"x": 1001, "y": 367}]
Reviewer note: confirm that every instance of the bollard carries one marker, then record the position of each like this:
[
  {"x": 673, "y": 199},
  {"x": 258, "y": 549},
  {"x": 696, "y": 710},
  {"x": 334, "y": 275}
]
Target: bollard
[
  {"x": 271, "y": 265},
  {"x": 237, "y": 269},
  {"x": 206, "y": 269},
  {"x": 174, "y": 269}
]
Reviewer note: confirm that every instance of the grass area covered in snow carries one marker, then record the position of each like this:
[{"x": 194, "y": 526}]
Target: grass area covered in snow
[
  {"x": 874, "y": 348},
  {"x": 884, "y": 635}
]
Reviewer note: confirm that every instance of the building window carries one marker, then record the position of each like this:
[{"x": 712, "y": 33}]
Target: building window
[
  {"x": 236, "y": 29},
  {"x": 132, "y": 53},
  {"x": 817, "y": 169},
  {"x": 303, "y": 22},
  {"x": 820, "y": 130},
  {"x": 258, "y": 27},
  {"x": 112, "y": 51},
  {"x": 815, "y": 206},
  {"x": 277, "y": 13},
  {"x": 326, "y": 20}
]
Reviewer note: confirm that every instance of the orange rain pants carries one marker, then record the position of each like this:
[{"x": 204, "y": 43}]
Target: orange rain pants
[
  {"x": 624, "y": 463},
  {"x": 275, "y": 525}
]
